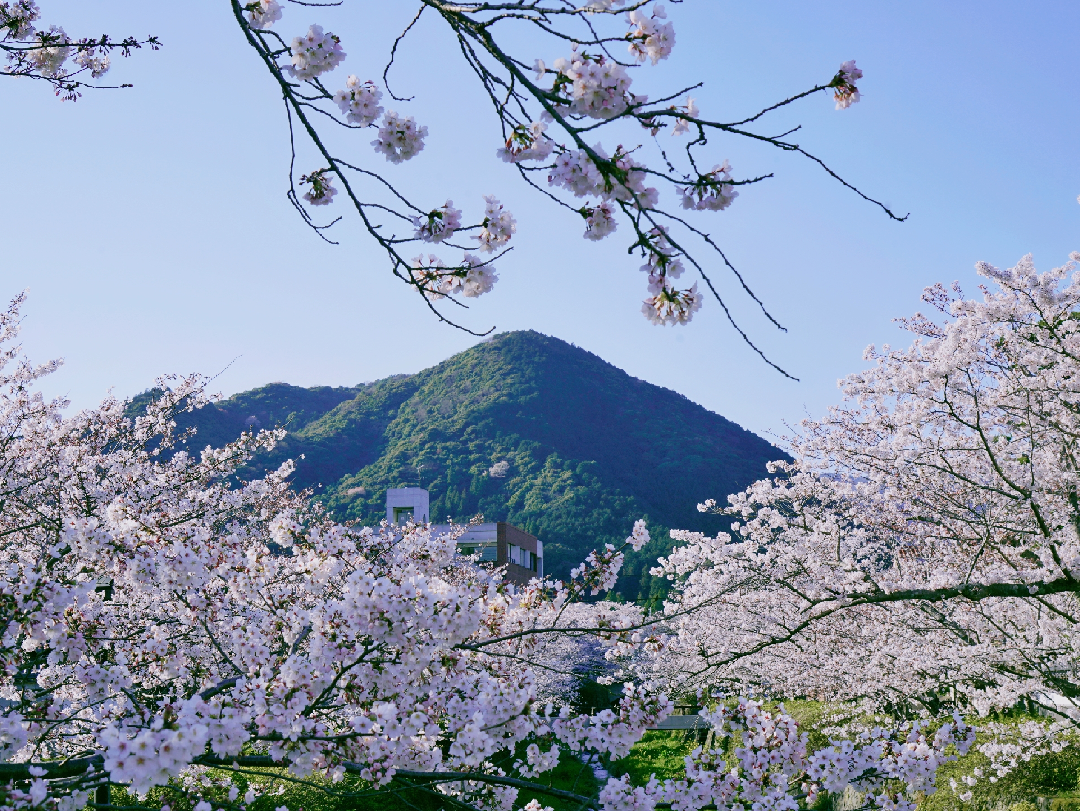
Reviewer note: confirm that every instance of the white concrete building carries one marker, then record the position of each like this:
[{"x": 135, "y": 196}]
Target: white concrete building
[{"x": 407, "y": 503}]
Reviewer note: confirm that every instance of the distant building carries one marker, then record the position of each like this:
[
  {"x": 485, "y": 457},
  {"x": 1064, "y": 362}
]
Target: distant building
[
  {"x": 404, "y": 504},
  {"x": 496, "y": 542},
  {"x": 501, "y": 543}
]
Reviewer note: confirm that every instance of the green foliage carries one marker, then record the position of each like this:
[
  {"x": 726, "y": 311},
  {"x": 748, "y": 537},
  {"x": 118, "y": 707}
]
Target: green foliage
[{"x": 590, "y": 449}]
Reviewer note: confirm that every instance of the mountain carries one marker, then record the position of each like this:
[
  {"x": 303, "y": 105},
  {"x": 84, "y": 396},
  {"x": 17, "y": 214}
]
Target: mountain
[{"x": 587, "y": 448}]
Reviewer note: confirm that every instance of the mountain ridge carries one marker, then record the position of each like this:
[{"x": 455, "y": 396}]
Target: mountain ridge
[{"x": 588, "y": 448}]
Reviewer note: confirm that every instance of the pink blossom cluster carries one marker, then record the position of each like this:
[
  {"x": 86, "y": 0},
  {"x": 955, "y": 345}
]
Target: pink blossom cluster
[
  {"x": 400, "y": 138},
  {"x": 712, "y": 191},
  {"x": 262, "y": 14},
  {"x": 359, "y": 102},
  {"x": 314, "y": 54},
  {"x": 438, "y": 224},
  {"x": 650, "y": 38},
  {"x": 497, "y": 228},
  {"x": 614, "y": 178},
  {"x": 322, "y": 189},
  {"x": 846, "y": 92},
  {"x": 526, "y": 144},
  {"x": 472, "y": 278},
  {"x": 590, "y": 86},
  {"x": 599, "y": 220}
]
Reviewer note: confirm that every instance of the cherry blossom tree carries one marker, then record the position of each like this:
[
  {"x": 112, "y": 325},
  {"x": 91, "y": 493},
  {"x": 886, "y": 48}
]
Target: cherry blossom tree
[
  {"x": 159, "y": 618},
  {"x": 923, "y": 551},
  {"x": 567, "y": 121},
  {"x": 68, "y": 65}
]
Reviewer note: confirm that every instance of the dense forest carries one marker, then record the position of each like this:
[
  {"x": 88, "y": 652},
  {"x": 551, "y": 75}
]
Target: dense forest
[{"x": 522, "y": 428}]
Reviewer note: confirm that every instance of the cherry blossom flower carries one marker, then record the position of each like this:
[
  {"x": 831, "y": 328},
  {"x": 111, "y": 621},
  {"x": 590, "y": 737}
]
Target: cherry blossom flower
[
  {"x": 322, "y": 189},
  {"x": 650, "y": 38},
  {"x": 497, "y": 228},
  {"x": 54, "y": 49},
  {"x": 439, "y": 224},
  {"x": 480, "y": 278},
  {"x": 712, "y": 191},
  {"x": 526, "y": 143},
  {"x": 846, "y": 92},
  {"x": 681, "y": 124},
  {"x": 94, "y": 60},
  {"x": 315, "y": 53},
  {"x": 670, "y": 306},
  {"x": 599, "y": 220},
  {"x": 359, "y": 102},
  {"x": 399, "y": 137},
  {"x": 591, "y": 86},
  {"x": 262, "y": 14}
]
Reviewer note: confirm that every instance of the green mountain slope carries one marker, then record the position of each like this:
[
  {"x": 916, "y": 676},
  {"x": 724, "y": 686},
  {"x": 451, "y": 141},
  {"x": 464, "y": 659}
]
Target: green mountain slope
[{"x": 588, "y": 448}]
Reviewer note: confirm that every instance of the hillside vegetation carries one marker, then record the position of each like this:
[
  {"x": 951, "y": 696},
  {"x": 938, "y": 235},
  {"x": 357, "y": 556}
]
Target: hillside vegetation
[{"x": 588, "y": 448}]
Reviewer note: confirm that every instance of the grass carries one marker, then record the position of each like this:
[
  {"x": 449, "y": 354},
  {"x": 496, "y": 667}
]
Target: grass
[{"x": 661, "y": 753}]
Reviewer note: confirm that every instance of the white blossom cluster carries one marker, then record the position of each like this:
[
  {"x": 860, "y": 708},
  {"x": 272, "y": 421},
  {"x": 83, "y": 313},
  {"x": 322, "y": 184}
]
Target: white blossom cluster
[
  {"x": 622, "y": 178},
  {"x": 666, "y": 305},
  {"x": 17, "y": 18},
  {"x": 526, "y": 144},
  {"x": 322, "y": 189},
  {"x": 879, "y": 755},
  {"x": 359, "y": 102},
  {"x": 670, "y": 306},
  {"x": 399, "y": 137},
  {"x": 846, "y": 92},
  {"x": 650, "y": 38},
  {"x": 314, "y": 54},
  {"x": 472, "y": 278},
  {"x": 712, "y": 191},
  {"x": 48, "y": 59},
  {"x": 497, "y": 228},
  {"x": 95, "y": 60},
  {"x": 438, "y": 224},
  {"x": 590, "y": 86},
  {"x": 599, "y": 220},
  {"x": 262, "y": 14},
  {"x": 681, "y": 124},
  {"x": 480, "y": 276}
]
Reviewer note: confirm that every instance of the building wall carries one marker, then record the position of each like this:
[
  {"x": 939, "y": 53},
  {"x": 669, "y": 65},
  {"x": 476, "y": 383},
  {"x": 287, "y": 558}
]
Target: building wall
[
  {"x": 512, "y": 537},
  {"x": 400, "y": 499},
  {"x": 502, "y": 539}
]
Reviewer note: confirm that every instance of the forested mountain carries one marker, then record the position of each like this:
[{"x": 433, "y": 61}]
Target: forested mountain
[{"x": 588, "y": 448}]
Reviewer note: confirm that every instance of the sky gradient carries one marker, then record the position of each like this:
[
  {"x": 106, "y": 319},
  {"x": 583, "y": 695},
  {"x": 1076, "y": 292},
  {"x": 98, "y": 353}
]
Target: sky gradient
[{"x": 152, "y": 230}]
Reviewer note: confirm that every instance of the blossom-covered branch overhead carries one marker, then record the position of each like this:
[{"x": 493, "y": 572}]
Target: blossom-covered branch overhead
[{"x": 554, "y": 115}]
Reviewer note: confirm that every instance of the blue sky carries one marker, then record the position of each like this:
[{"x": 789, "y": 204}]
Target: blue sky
[{"x": 152, "y": 231}]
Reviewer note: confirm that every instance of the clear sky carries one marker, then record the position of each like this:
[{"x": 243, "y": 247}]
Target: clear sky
[{"x": 153, "y": 233}]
